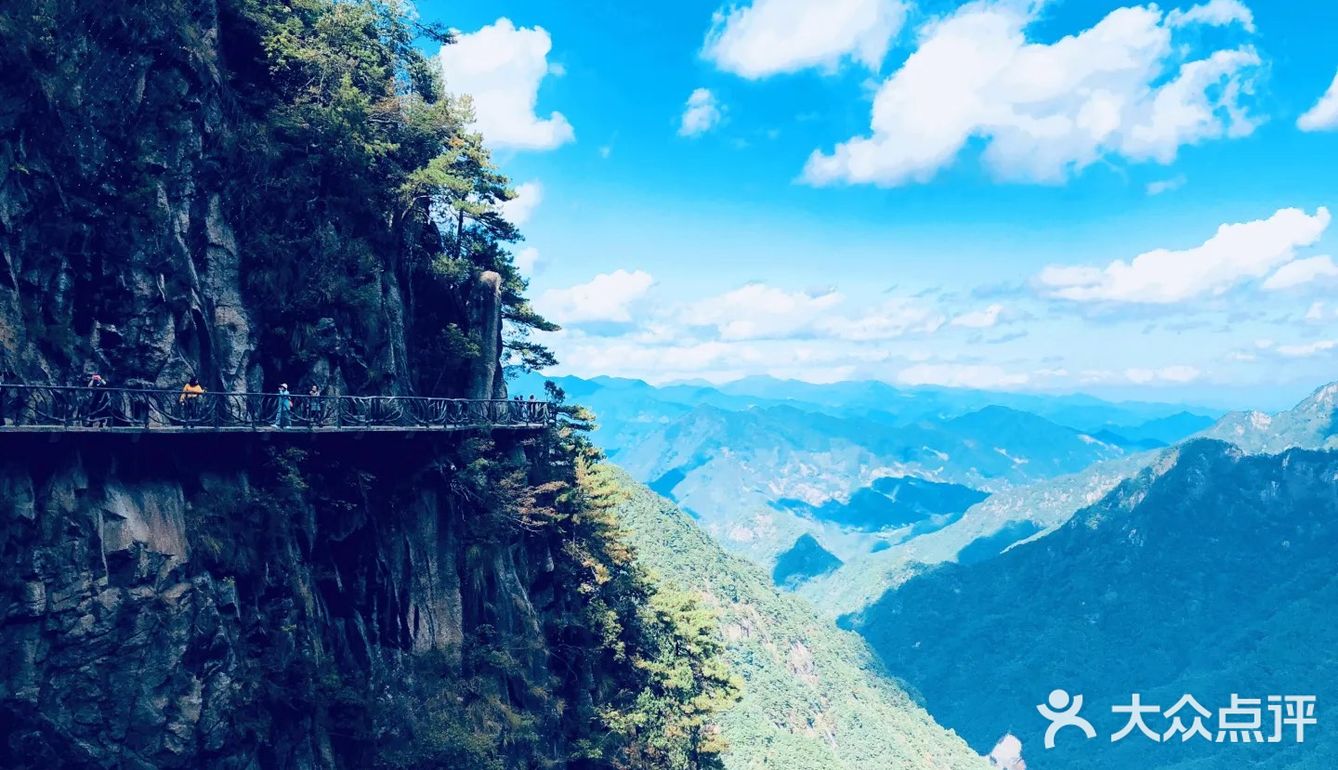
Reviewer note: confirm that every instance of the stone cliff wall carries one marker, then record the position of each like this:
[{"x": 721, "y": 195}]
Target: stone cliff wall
[
  {"x": 231, "y": 601},
  {"x": 164, "y": 605},
  {"x": 149, "y": 229}
]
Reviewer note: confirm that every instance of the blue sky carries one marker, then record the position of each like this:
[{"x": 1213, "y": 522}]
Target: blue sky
[{"x": 1065, "y": 196}]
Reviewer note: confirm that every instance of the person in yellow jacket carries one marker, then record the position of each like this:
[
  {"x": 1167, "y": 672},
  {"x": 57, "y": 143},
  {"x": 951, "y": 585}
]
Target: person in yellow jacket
[
  {"x": 190, "y": 390},
  {"x": 190, "y": 398}
]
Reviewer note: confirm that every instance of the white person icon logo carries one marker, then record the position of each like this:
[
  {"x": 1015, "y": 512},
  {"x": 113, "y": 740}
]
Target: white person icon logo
[{"x": 1062, "y": 712}]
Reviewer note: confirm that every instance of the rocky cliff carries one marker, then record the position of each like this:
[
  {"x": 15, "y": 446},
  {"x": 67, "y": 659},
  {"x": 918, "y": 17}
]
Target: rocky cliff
[
  {"x": 248, "y": 192},
  {"x": 161, "y": 216},
  {"x": 189, "y": 601}
]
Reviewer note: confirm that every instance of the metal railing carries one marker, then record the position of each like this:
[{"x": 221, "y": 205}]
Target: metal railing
[{"x": 54, "y": 408}]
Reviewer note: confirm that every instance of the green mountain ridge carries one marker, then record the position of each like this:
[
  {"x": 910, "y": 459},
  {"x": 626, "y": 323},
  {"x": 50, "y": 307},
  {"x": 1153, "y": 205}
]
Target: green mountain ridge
[
  {"x": 1210, "y": 573},
  {"x": 1035, "y": 511},
  {"x": 814, "y": 697}
]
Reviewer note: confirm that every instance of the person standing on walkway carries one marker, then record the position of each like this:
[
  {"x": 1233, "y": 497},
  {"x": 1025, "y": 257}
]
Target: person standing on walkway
[
  {"x": 282, "y": 417},
  {"x": 97, "y": 408},
  {"x": 312, "y": 405},
  {"x": 190, "y": 398}
]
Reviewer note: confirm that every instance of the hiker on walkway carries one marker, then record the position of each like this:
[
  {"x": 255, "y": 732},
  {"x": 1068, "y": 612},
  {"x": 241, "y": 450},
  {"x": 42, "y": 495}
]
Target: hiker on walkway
[
  {"x": 97, "y": 405},
  {"x": 311, "y": 405},
  {"x": 190, "y": 391},
  {"x": 282, "y": 417},
  {"x": 190, "y": 398}
]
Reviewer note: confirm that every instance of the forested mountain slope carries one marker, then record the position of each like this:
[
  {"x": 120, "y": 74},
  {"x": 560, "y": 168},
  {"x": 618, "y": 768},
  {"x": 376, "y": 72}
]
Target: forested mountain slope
[
  {"x": 1209, "y": 574},
  {"x": 814, "y": 699}
]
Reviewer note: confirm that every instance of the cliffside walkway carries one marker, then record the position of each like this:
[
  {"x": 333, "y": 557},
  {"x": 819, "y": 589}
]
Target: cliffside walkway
[{"x": 60, "y": 409}]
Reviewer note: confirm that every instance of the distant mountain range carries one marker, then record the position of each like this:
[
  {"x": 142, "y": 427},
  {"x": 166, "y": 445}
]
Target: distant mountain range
[
  {"x": 992, "y": 554},
  {"x": 1210, "y": 573},
  {"x": 854, "y": 467},
  {"x": 1029, "y": 512}
]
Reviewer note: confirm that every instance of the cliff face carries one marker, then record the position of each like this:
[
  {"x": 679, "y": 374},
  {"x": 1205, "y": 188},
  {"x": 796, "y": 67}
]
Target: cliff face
[
  {"x": 164, "y": 604},
  {"x": 224, "y": 601},
  {"x": 154, "y": 223}
]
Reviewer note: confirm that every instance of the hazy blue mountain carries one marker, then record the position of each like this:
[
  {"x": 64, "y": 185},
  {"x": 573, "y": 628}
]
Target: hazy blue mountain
[
  {"x": 1081, "y": 412},
  {"x": 1210, "y": 573},
  {"x": 761, "y": 477},
  {"x": 762, "y": 462},
  {"x": 621, "y": 401},
  {"x": 805, "y": 560},
  {"x": 1030, "y": 512},
  {"x": 892, "y": 502},
  {"x": 1164, "y": 430}
]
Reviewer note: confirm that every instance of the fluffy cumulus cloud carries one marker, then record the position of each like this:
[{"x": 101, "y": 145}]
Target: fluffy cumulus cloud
[
  {"x": 519, "y": 209},
  {"x": 760, "y": 311},
  {"x": 1236, "y": 254},
  {"x": 526, "y": 260},
  {"x": 1324, "y": 115},
  {"x": 1319, "y": 313},
  {"x": 1124, "y": 88},
  {"x": 608, "y": 297},
  {"x": 1301, "y": 272},
  {"x": 891, "y": 319},
  {"x": 1308, "y": 349},
  {"x": 1162, "y": 186},
  {"x": 980, "y": 319},
  {"x": 1215, "y": 12},
  {"x": 768, "y": 37},
  {"x": 502, "y": 66},
  {"x": 701, "y": 114}
]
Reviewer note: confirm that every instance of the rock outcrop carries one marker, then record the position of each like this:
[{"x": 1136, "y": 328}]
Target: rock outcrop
[{"x": 164, "y": 605}]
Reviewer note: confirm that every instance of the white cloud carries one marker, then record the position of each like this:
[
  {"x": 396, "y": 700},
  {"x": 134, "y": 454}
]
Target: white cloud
[
  {"x": 980, "y": 319},
  {"x": 891, "y": 319},
  {"x": 1237, "y": 253},
  {"x": 607, "y": 297},
  {"x": 1166, "y": 185},
  {"x": 501, "y": 67},
  {"x": 1324, "y": 115},
  {"x": 1218, "y": 13},
  {"x": 1171, "y": 374},
  {"x": 1300, "y": 272},
  {"x": 1320, "y": 313},
  {"x": 1308, "y": 350},
  {"x": 526, "y": 260},
  {"x": 770, "y": 37},
  {"x": 759, "y": 311},
  {"x": 981, "y": 376},
  {"x": 1122, "y": 88},
  {"x": 519, "y": 209},
  {"x": 701, "y": 113}
]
